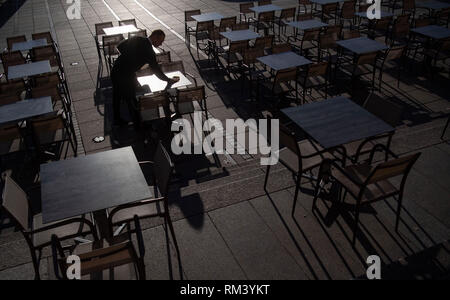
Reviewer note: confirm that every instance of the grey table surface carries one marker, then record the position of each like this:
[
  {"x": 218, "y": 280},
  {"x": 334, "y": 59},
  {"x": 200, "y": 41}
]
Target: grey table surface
[
  {"x": 25, "y": 109},
  {"x": 362, "y": 45},
  {"x": 265, "y": 8},
  {"x": 305, "y": 25},
  {"x": 28, "y": 45},
  {"x": 30, "y": 69},
  {"x": 284, "y": 60},
  {"x": 433, "y": 31},
  {"x": 323, "y": 2},
  {"x": 336, "y": 121},
  {"x": 240, "y": 35},
  {"x": 91, "y": 183},
  {"x": 207, "y": 17},
  {"x": 433, "y": 5}
]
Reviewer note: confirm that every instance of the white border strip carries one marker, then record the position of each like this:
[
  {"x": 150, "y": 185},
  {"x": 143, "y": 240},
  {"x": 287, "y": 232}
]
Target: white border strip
[{"x": 110, "y": 9}]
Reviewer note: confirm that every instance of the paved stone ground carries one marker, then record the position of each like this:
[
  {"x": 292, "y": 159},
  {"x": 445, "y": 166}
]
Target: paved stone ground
[{"x": 227, "y": 226}]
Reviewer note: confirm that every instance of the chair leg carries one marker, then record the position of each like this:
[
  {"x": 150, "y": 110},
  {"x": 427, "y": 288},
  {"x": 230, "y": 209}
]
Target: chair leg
[
  {"x": 445, "y": 128},
  {"x": 172, "y": 232},
  {"x": 297, "y": 189},
  {"x": 267, "y": 177},
  {"x": 399, "y": 209},
  {"x": 355, "y": 228}
]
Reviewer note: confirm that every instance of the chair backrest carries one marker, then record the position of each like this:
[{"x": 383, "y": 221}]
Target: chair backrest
[
  {"x": 264, "y": 2},
  {"x": 43, "y": 35},
  {"x": 189, "y": 13},
  {"x": 15, "y": 202},
  {"x": 51, "y": 79},
  {"x": 163, "y": 169},
  {"x": 251, "y": 54},
  {"x": 186, "y": 97},
  {"x": 15, "y": 39},
  {"x": 285, "y": 75},
  {"x": 267, "y": 16},
  {"x": 304, "y": 17},
  {"x": 128, "y": 22},
  {"x": 226, "y": 23},
  {"x": 110, "y": 43},
  {"x": 311, "y": 35},
  {"x": 100, "y": 26},
  {"x": 366, "y": 59},
  {"x": 385, "y": 109},
  {"x": 241, "y": 26},
  {"x": 9, "y": 132},
  {"x": 383, "y": 24},
  {"x": 395, "y": 52},
  {"x": 404, "y": 18},
  {"x": 12, "y": 58},
  {"x": 11, "y": 91},
  {"x": 363, "y": 7},
  {"x": 163, "y": 57},
  {"x": 100, "y": 260},
  {"x": 393, "y": 168},
  {"x": 141, "y": 33},
  {"x": 244, "y": 8},
  {"x": 327, "y": 41},
  {"x": 422, "y": 22},
  {"x": 280, "y": 48},
  {"x": 46, "y": 125},
  {"x": 150, "y": 106},
  {"x": 47, "y": 91},
  {"x": 317, "y": 69},
  {"x": 350, "y": 34},
  {"x": 238, "y": 47},
  {"x": 335, "y": 31},
  {"x": 400, "y": 29},
  {"x": 409, "y": 4},
  {"x": 173, "y": 66},
  {"x": 205, "y": 26},
  {"x": 330, "y": 8},
  {"x": 348, "y": 9},
  {"x": 45, "y": 53},
  {"x": 288, "y": 13},
  {"x": 287, "y": 139},
  {"x": 6, "y": 99}
]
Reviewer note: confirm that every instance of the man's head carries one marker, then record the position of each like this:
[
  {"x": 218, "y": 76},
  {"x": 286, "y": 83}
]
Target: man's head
[{"x": 157, "y": 37}]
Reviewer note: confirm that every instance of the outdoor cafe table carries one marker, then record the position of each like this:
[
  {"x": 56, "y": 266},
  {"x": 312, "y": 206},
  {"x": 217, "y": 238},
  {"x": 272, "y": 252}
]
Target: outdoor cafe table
[
  {"x": 28, "y": 45},
  {"x": 284, "y": 60},
  {"x": 29, "y": 69},
  {"x": 207, "y": 17},
  {"x": 362, "y": 45},
  {"x": 91, "y": 183},
  {"x": 325, "y": 2},
  {"x": 265, "y": 8},
  {"x": 433, "y": 5},
  {"x": 306, "y": 25},
  {"x": 433, "y": 32},
  {"x": 335, "y": 122},
  {"x": 156, "y": 85},
  {"x": 120, "y": 30},
  {"x": 240, "y": 35},
  {"x": 25, "y": 109}
]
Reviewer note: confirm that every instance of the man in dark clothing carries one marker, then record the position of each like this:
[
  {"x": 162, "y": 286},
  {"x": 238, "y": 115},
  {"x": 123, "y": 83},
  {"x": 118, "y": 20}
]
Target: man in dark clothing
[{"x": 134, "y": 54}]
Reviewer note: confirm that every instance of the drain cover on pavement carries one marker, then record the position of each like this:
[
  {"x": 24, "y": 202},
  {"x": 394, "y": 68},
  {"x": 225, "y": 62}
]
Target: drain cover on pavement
[{"x": 98, "y": 139}]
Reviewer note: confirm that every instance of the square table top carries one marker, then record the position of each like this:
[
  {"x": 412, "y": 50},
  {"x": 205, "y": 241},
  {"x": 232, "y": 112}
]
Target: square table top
[
  {"x": 25, "y": 109},
  {"x": 383, "y": 14},
  {"x": 240, "y": 35},
  {"x": 308, "y": 24},
  {"x": 29, "y": 69},
  {"x": 120, "y": 29},
  {"x": 433, "y": 31},
  {"x": 265, "y": 8},
  {"x": 157, "y": 85},
  {"x": 337, "y": 121},
  {"x": 91, "y": 183},
  {"x": 207, "y": 17},
  {"x": 28, "y": 45},
  {"x": 362, "y": 45},
  {"x": 284, "y": 60},
  {"x": 433, "y": 5}
]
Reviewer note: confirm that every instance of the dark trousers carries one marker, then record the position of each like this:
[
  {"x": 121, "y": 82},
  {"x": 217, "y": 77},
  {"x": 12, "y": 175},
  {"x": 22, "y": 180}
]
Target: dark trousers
[{"x": 124, "y": 89}]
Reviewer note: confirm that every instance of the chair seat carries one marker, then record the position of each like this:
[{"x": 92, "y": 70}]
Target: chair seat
[
  {"x": 44, "y": 238},
  {"x": 290, "y": 159},
  {"x": 142, "y": 211},
  {"x": 278, "y": 89},
  {"x": 13, "y": 146},
  {"x": 311, "y": 81},
  {"x": 359, "y": 173},
  {"x": 152, "y": 114},
  {"x": 46, "y": 138}
]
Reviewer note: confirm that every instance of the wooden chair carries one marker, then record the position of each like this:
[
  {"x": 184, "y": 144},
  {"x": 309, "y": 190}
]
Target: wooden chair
[
  {"x": 141, "y": 33},
  {"x": 37, "y": 235},
  {"x": 304, "y": 4},
  {"x": 265, "y": 22},
  {"x": 298, "y": 157},
  {"x": 164, "y": 57},
  {"x": 108, "y": 259},
  {"x": 231, "y": 57},
  {"x": 363, "y": 64},
  {"x": 281, "y": 85},
  {"x": 49, "y": 53},
  {"x": 11, "y": 91},
  {"x": 227, "y": 23},
  {"x": 202, "y": 37},
  {"x": 264, "y": 42},
  {"x": 110, "y": 43},
  {"x": 368, "y": 183},
  {"x": 11, "y": 141},
  {"x": 347, "y": 13},
  {"x": 280, "y": 48},
  {"x": 264, "y": 2},
  {"x": 189, "y": 29},
  {"x": 45, "y": 36},
  {"x": 251, "y": 69},
  {"x": 12, "y": 58},
  {"x": 315, "y": 76},
  {"x": 286, "y": 15},
  {"x": 241, "y": 26},
  {"x": 190, "y": 100},
  {"x": 392, "y": 54},
  {"x": 52, "y": 82},
  {"x": 245, "y": 13}
]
